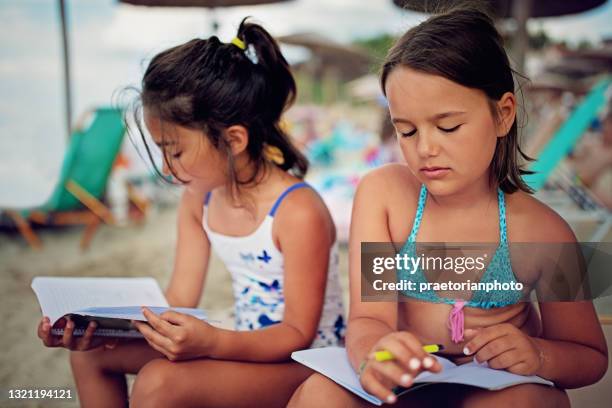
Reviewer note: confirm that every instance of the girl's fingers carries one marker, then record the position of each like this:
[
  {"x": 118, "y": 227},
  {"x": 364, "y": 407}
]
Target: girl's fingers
[
  {"x": 398, "y": 349},
  {"x": 152, "y": 336},
  {"x": 485, "y": 336},
  {"x": 521, "y": 368},
  {"x": 394, "y": 372},
  {"x": 372, "y": 385},
  {"x": 85, "y": 342},
  {"x": 174, "y": 317},
  {"x": 157, "y": 322},
  {"x": 505, "y": 360},
  {"x": 67, "y": 337},
  {"x": 413, "y": 344},
  {"x": 44, "y": 332},
  {"x": 421, "y": 360},
  {"x": 431, "y": 363},
  {"x": 156, "y": 347},
  {"x": 40, "y": 330},
  {"x": 493, "y": 349}
]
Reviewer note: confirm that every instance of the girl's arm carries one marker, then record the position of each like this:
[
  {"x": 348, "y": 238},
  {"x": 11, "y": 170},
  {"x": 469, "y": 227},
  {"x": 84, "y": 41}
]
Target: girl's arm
[
  {"x": 368, "y": 321},
  {"x": 572, "y": 345},
  {"x": 571, "y": 350},
  {"x": 305, "y": 235},
  {"x": 191, "y": 256},
  {"x": 373, "y": 325}
]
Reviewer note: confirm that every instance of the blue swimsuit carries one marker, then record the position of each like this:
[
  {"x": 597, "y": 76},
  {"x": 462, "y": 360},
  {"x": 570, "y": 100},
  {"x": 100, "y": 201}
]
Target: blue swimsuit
[{"x": 499, "y": 269}]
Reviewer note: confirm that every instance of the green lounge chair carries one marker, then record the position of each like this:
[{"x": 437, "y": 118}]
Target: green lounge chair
[{"x": 76, "y": 199}]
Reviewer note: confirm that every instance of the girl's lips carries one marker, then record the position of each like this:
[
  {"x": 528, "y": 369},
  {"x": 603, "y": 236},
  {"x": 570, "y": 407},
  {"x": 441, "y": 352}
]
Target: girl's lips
[{"x": 435, "y": 172}]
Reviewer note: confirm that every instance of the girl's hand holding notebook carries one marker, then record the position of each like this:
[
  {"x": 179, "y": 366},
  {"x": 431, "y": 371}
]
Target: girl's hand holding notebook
[
  {"x": 86, "y": 313},
  {"x": 81, "y": 343},
  {"x": 176, "y": 335}
]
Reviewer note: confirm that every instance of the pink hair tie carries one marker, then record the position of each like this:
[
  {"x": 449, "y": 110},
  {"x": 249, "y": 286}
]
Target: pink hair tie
[{"x": 455, "y": 321}]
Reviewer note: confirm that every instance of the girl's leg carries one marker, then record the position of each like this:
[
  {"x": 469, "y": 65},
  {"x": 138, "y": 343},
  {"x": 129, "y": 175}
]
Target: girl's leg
[
  {"x": 99, "y": 374},
  {"x": 320, "y": 391},
  {"x": 216, "y": 383},
  {"x": 524, "y": 395}
]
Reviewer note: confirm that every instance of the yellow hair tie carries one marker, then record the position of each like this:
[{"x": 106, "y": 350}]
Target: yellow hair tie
[
  {"x": 239, "y": 43},
  {"x": 273, "y": 154}
]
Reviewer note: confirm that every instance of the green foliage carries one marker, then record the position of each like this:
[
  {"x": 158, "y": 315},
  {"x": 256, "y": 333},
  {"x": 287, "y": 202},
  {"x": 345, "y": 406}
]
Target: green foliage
[{"x": 377, "y": 46}]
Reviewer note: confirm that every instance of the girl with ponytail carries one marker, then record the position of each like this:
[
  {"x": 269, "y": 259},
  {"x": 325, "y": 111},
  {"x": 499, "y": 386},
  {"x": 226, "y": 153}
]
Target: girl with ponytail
[{"x": 213, "y": 109}]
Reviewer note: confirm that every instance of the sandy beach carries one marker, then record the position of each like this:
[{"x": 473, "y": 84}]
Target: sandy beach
[{"x": 136, "y": 250}]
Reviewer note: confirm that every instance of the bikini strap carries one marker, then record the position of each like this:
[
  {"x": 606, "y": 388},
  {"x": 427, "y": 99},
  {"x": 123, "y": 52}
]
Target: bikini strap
[
  {"x": 419, "y": 214},
  {"x": 284, "y": 194},
  {"x": 207, "y": 198},
  {"x": 501, "y": 203}
]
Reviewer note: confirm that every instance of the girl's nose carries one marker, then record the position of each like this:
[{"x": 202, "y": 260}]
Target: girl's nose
[{"x": 427, "y": 145}]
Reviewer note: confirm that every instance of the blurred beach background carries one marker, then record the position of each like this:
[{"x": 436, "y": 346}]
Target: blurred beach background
[{"x": 53, "y": 89}]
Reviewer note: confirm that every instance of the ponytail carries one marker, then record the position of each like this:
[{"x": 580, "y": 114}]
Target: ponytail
[
  {"x": 209, "y": 85},
  {"x": 280, "y": 93}
]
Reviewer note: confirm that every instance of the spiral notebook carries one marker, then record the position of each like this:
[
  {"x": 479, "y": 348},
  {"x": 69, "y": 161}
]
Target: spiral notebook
[
  {"x": 111, "y": 302},
  {"x": 333, "y": 363}
]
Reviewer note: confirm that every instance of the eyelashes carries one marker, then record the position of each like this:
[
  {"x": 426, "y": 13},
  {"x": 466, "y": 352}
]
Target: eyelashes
[
  {"x": 175, "y": 155},
  {"x": 450, "y": 130},
  {"x": 445, "y": 130},
  {"x": 408, "y": 134}
]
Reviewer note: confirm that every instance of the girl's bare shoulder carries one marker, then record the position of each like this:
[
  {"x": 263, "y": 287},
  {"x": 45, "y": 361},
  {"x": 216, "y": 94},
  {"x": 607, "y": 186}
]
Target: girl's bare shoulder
[
  {"x": 530, "y": 220},
  {"x": 302, "y": 207},
  {"x": 388, "y": 183}
]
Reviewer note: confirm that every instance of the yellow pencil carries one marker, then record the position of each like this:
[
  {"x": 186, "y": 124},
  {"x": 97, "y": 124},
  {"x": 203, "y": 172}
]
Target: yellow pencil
[{"x": 385, "y": 355}]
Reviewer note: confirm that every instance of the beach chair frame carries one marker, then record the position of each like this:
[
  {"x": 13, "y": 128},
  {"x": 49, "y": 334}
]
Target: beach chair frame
[{"x": 88, "y": 209}]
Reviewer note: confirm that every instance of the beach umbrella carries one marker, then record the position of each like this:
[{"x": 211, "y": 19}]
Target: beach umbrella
[
  {"x": 209, "y": 4},
  {"x": 66, "y": 65},
  {"x": 519, "y": 10}
]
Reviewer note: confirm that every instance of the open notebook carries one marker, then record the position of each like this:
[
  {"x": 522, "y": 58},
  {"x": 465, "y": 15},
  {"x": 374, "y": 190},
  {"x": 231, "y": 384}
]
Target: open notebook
[
  {"x": 111, "y": 302},
  {"x": 333, "y": 363}
]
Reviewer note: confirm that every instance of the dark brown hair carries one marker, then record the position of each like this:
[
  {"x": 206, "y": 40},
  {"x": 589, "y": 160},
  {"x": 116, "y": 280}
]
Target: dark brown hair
[
  {"x": 462, "y": 45},
  {"x": 208, "y": 85}
]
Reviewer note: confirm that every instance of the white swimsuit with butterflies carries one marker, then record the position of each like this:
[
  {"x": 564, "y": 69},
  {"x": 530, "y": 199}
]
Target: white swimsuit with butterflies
[{"x": 257, "y": 271}]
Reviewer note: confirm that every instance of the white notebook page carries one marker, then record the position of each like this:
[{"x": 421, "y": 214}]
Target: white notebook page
[{"x": 58, "y": 296}]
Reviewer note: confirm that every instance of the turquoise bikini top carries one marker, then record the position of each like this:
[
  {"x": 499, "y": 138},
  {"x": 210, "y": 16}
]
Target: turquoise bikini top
[{"x": 499, "y": 269}]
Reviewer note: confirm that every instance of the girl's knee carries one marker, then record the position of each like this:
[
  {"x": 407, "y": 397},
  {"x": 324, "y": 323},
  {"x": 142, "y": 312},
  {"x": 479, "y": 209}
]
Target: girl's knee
[
  {"x": 153, "y": 385},
  {"x": 319, "y": 391},
  {"x": 524, "y": 395}
]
